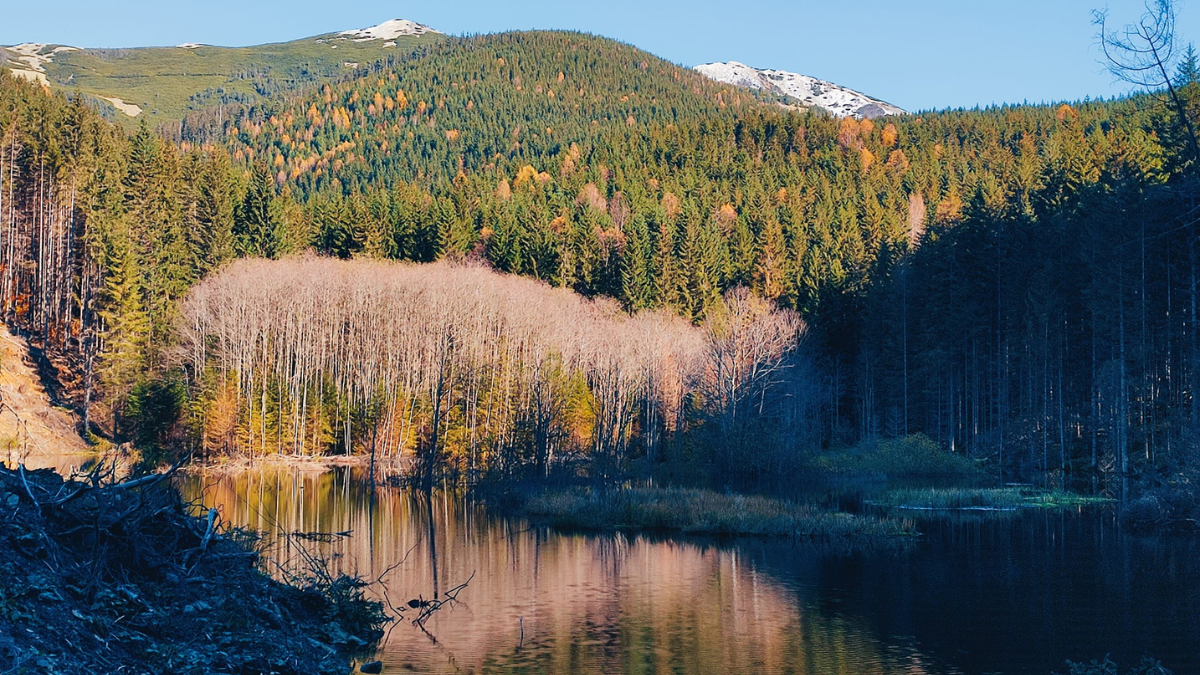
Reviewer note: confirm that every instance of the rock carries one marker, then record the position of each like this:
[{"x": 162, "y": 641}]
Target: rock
[
  {"x": 371, "y": 667},
  {"x": 12, "y": 500}
]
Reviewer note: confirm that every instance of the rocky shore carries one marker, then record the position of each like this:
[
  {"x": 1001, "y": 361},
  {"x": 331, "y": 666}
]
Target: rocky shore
[{"x": 98, "y": 576}]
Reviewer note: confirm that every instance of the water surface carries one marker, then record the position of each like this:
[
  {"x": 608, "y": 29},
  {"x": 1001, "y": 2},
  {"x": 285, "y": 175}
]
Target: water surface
[{"x": 1017, "y": 594}]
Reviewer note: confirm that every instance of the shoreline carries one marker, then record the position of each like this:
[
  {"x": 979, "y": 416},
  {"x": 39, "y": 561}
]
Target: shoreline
[
  {"x": 307, "y": 463},
  {"x": 126, "y": 579}
]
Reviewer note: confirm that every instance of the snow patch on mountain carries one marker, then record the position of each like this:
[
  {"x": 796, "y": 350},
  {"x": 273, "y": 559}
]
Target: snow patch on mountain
[
  {"x": 810, "y": 91},
  {"x": 130, "y": 109},
  {"x": 388, "y": 30},
  {"x": 34, "y": 56}
]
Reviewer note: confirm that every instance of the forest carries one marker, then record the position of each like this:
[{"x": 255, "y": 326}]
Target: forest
[{"x": 513, "y": 254}]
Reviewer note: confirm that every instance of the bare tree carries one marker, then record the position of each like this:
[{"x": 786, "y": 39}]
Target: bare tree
[
  {"x": 454, "y": 364},
  {"x": 1144, "y": 53},
  {"x": 748, "y": 343}
]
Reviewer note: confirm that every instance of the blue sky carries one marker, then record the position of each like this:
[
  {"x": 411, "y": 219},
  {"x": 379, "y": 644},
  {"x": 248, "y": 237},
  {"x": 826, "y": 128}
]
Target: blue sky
[{"x": 919, "y": 54}]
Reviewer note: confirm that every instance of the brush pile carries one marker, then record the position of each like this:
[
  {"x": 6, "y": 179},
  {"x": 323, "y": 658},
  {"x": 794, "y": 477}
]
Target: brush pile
[{"x": 105, "y": 577}]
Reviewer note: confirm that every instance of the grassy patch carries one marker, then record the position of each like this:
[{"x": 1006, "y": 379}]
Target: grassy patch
[
  {"x": 982, "y": 499},
  {"x": 915, "y": 456},
  {"x": 701, "y": 512}
]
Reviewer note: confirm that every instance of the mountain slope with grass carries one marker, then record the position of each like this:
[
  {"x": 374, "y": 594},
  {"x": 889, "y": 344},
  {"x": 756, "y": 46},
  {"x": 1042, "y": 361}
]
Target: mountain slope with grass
[{"x": 162, "y": 84}]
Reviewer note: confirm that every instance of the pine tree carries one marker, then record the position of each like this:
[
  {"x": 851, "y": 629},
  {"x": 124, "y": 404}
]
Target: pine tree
[
  {"x": 770, "y": 269},
  {"x": 704, "y": 260},
  {"x": 126, "y": 326},
  {"x": 637, "y": 284},
  {"x": 216, "y": 199},
  {"x": 256, "y": 225},
  {"x": 166, "y": 259},
  {"x": 1188, "y": 71}
]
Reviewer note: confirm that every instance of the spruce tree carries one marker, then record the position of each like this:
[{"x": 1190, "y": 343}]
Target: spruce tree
[
  {"x": 637, "y": 283},
  {"x": 256, "y": 224}
]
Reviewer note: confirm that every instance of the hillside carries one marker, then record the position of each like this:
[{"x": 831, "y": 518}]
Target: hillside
[
  {"x": 942, "y": 262},
  {"x": 472, "y": 103},
  {"x": 808, "y": 91},
  {"x": 163, "y": 84},
  {"x": 32, "y": 428}
]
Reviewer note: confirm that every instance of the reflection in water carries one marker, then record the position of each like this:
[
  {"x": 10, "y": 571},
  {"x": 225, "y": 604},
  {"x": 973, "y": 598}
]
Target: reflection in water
[
  {"x": 547, "y": 602},
  {"x": 1014, "y": 595}
]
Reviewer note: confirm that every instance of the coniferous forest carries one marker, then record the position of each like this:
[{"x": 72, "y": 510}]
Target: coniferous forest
[{"x": 1018, "y": 284}]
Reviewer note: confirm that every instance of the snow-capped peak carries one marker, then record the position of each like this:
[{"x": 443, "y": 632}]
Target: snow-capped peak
[
  {"x": 810, "y": 91},
  {"x": 388, "y": 30}
]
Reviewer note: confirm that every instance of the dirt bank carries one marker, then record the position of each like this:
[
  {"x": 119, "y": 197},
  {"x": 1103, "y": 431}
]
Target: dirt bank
[{"x": 32, "y": 428}]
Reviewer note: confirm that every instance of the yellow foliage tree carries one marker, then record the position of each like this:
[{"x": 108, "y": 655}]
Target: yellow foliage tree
[
  {"x": 524, "y": 175},
  {"x": 848, "y": 134},
  {"x": 671, "y": 205},
  {"x": 590, "y": 196},
  {"x": 867, "y": 158},
  {"x": 890, "y": 134}
]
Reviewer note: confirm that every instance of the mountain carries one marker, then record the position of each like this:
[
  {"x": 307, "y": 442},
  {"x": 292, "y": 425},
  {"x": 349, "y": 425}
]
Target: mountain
[
  {"x": 467, "y": 104},
  {"x": 163, "y": 84},
  {"x": 809, "y": 91}
]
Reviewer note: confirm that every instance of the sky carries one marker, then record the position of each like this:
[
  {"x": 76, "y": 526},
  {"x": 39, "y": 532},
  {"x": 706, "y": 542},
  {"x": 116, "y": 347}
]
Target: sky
[{"x": 919, "y": 54}]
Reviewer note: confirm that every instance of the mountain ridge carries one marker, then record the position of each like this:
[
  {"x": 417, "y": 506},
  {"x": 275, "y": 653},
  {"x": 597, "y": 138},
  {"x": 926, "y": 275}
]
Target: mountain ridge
[{"x": 163, "y": 84}]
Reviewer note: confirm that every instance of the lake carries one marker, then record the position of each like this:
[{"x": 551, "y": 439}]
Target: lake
[{"x": 1016, "y": 593}]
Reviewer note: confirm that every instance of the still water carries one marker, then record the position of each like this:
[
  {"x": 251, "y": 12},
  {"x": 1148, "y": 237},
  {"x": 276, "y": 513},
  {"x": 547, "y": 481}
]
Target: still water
[{"x": 1017, "y": 594}]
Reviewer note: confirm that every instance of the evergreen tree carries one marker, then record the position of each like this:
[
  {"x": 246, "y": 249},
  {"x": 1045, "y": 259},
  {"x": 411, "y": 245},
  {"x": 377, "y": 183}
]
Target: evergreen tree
[
  {"x": 637, "y": 283},
  {"x": 256, "y": 225},
  {"x": 126, "y": 325},
  {"x": 216, "y": 193}
]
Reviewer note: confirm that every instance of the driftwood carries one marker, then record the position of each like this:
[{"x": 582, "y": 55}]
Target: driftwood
[
  {"x": 324, "y": 537},
  {"x": 429, "y": 607},
  {"x": 144, "y": 481}
]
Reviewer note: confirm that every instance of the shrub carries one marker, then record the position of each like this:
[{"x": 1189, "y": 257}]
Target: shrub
[
  {"x": 915, "y": 456},
  {"x": 1162, "y": 509}
]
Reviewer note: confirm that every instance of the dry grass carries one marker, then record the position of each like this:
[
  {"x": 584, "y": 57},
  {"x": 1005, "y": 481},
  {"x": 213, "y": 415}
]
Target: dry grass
[
  {"x": 982, "y": 499},
  {"x": 694, "y": 511}
]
